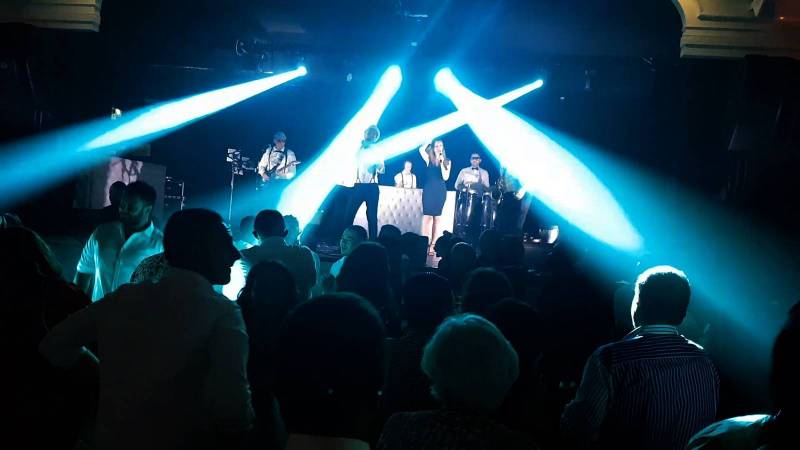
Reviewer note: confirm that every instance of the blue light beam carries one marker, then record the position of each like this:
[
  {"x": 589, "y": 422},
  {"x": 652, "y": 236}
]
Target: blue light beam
[
  {"x": 170, "y": 115},
  {"x": 411, "y": 138},
  {"x": 306, "y": 193},
  {"x": 546, "y": 170},
  {"x": 293, "y": 201},
  {"x": 33, "y": 164}
]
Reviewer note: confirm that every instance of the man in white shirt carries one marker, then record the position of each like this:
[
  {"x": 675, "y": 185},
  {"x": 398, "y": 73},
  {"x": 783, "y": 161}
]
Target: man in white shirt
[
  {"x": 270, "y": 230},
  {"x": 115, "y": 249},
  {"x": 352, "y": 236},
  {"x": 363, "y": 181},
  {"x": 406, "y": 179},
  {"x": 473, "y": 178},
  {"x": 277, "y": 162},
  {"x": 172, "y": 355}
]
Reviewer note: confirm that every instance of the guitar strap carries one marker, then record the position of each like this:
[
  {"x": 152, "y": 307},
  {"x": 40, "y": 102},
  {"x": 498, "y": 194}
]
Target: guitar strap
[{"x": 274, "y": 169}]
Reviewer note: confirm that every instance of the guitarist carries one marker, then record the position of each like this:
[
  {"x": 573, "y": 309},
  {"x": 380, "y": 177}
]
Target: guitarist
[{"x": 278, "y": 162}]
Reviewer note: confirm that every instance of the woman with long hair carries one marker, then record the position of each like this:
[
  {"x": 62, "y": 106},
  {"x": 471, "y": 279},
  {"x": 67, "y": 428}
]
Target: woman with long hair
[{"x": 434, "y": 192}]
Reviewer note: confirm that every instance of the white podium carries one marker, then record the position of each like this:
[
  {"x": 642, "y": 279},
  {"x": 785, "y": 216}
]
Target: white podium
[{"x": 403, "y": 209}]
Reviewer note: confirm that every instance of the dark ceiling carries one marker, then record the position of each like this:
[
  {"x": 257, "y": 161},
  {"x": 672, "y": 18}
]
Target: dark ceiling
[
  {"x": 144, "y": 48},
  {"x": 198, "y": 31}
]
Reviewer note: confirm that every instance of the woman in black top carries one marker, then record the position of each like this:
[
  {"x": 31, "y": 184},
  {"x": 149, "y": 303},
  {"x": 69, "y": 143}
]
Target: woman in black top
[{"x": 434, "y": 192}]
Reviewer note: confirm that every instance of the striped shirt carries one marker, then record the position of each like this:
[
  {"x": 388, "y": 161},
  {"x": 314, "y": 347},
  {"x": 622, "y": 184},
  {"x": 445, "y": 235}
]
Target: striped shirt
[{"x": 653, "y": 389}]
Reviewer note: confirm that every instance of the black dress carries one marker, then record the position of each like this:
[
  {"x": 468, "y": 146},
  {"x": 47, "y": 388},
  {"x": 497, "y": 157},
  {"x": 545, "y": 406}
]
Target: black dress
[{"x": 434, "y": 191}]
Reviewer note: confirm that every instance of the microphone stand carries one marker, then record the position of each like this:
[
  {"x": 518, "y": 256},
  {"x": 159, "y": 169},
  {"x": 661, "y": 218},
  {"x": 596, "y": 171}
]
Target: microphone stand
[{"x": 237, "y": 168}]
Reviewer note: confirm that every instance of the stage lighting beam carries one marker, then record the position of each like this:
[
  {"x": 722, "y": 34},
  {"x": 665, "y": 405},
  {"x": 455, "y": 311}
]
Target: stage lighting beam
[
  {"x": 324, "y": 169},
  {"x": 411, "y": 138},
  {"x": 32, "y": 165},
  {"x": 169, "y": 115},
  {"x": 548, "y": 171},
  {"x": 307, "y": 191}
]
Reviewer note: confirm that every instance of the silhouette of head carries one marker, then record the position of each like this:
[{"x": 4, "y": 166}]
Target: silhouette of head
[
  {"x": 115, "y": 193},
  {"x": 197, "y": 240},
  {"x": 427, "y": 300},
  {"x": 661, "y": 296},
  {"x": 330, "y": 367},
  {"x": 268, "y": 295},
  {"x": 366, "y": 272},
  {"x": 483, "y": 288},
  {"x": 463, "y": 255},
  {"x": 269, "y": 223},
  {"x": 390, "y": 232},
  {"x": 136, "y": 206},
  {"x": 470, "y": 364}
]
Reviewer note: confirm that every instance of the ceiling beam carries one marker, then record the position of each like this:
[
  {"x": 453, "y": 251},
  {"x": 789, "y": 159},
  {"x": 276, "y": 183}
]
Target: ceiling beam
[
  {"x": 735, "y": 28},
  {"x": 83, "y": 15}
]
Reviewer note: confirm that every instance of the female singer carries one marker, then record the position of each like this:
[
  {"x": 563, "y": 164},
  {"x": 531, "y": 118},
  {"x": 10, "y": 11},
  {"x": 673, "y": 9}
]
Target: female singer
[{"x": 434, "y": 191}]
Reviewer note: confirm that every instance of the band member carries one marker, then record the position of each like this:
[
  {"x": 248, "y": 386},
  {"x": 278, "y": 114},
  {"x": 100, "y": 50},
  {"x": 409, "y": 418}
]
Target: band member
[
  {"x": 514, "y": 205},
  {"x": 278, "y": 162},
  {"x": 406, "y": 179},
  {"x": 434, "y": 192},
  {"x": 473, "y": 206},
  {"x": 365, "y": 185},
  {"x": 473, "y": 178}
]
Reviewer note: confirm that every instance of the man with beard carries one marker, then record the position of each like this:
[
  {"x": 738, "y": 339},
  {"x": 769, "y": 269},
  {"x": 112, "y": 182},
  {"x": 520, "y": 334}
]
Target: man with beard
[
  {"x": 115, "y": 249},
  {"x": 172, "y": 354}
]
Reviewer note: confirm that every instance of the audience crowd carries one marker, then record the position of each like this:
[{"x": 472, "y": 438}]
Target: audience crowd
[{"x": 155, "y": 347}]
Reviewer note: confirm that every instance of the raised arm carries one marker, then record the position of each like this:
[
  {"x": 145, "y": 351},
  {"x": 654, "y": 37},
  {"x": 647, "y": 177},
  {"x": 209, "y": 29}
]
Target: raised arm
[{"x": 423, "y": 153}]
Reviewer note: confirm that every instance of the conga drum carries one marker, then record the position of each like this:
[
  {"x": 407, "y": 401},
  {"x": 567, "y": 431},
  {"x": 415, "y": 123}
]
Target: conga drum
[
  {"x": 468, "y": 212},
  {"x": 488, "y": 212}
]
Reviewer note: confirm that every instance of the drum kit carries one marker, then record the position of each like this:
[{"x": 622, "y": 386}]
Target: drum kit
[
  {"x": 475, "y": 212},
  {"x": 477, "y": 209}
]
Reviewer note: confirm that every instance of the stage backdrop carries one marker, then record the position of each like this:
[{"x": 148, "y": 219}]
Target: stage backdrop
[
  {"x": 92, "y": 188},
  {"x": 403, "y": 209}
]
